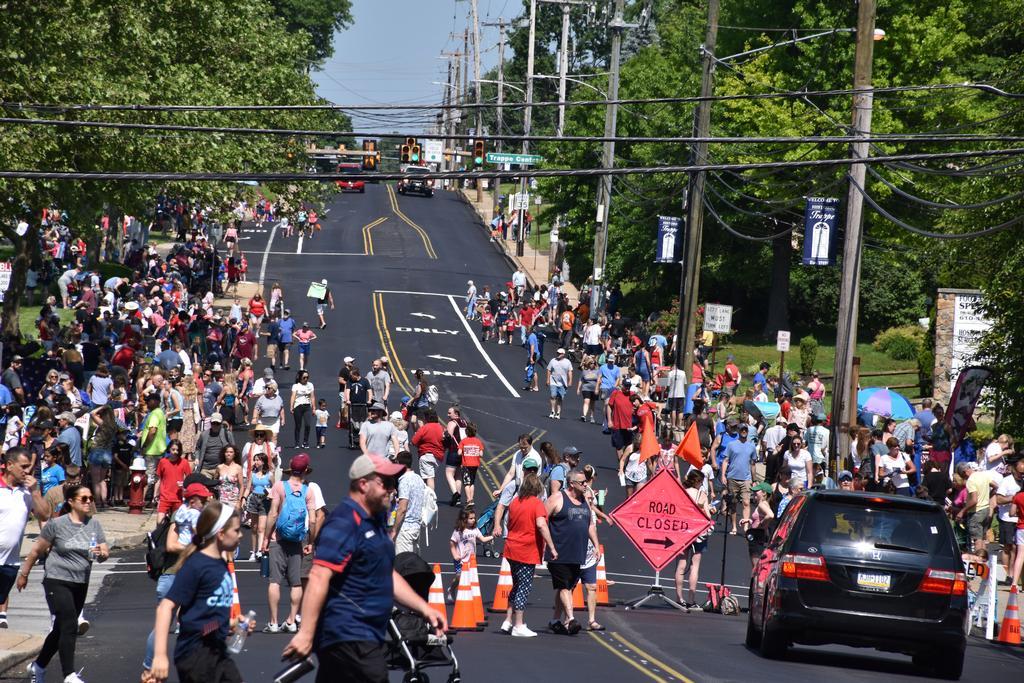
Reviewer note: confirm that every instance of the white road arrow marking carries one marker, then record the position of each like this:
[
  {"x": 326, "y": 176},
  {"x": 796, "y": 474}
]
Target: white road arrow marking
[
  {"x": 440, "y": 357},
  {"x": 424, "y": 315}
]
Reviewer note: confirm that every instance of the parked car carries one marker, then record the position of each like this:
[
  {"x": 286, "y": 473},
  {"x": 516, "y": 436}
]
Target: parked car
[{"x": 864, "y": 570}]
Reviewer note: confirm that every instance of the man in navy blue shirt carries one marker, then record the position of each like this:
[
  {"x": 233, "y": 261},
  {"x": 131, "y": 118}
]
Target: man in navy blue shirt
[{"x": 353, "y": 586}]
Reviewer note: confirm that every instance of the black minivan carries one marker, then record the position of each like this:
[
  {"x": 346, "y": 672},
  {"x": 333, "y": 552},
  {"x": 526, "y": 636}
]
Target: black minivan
[{"x": 864, "y": 570}]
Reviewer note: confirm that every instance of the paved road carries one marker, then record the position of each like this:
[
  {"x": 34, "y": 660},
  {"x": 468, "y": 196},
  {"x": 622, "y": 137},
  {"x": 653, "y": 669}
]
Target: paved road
[{"x": 403, "y": 300}]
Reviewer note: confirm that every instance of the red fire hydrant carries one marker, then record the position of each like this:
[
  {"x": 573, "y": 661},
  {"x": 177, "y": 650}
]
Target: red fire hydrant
[{"x": 137, "y": 486}]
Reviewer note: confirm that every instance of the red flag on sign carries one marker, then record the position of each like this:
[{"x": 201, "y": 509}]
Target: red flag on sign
[
  {"x": 649, "y": 447},
  {"x": 689, "y": 448}
]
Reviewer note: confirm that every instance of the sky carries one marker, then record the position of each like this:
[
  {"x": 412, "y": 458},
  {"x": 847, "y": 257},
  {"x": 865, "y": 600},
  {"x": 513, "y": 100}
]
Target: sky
[{"x": 374, "y": 64}]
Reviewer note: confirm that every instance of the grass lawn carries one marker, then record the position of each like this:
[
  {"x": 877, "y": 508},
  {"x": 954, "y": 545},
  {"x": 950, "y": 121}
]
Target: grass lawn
[
  {"x": 27, "y": 316},
  {"x": 749, "y": 352}
]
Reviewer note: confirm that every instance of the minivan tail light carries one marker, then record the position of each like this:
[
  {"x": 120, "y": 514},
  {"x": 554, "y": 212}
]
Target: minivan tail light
[
  {"x": 943, "y": 582},
  {"x": 809, "y": 567}
]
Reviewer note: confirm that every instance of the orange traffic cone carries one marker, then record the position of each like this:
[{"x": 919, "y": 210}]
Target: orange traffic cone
[
  {"x": 478, "y": 601},
  {"x": 464, "y": 616},
  {"x": 577, "y": 596},
  {"x": 500, "y": 603},
  {"x": 436, "y": 597},
  {"x": 1009, "y": 627},
  {"x": 236, "y": 605},
  {"x": 602, "y": 582}
]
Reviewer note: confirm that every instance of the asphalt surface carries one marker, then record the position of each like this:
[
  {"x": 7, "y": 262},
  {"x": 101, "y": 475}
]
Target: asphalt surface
[{"x": 402, "y": 300}]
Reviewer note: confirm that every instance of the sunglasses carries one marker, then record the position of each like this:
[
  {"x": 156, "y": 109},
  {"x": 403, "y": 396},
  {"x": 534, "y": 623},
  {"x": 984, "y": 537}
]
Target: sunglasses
[
  {"x": 389, "y": 483},
  {"x": 85, "y": 499}
]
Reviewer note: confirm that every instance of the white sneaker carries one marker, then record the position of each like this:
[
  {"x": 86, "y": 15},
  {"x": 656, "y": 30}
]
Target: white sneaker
[
  {"x": 271, "y": 628},
  {"x": 523, "y": 632},
  {"x": 298, "y": 618},
  {"x": 551, "y": 416},
  {"x": 73, "y": 677},
  {"x": 506, "y": 627},
  {"x": 252, "y": 556},
  {"x": 83, "y": 625},
  {"x": 37, "y": 673},
  {"x": 289, "y": 628}
]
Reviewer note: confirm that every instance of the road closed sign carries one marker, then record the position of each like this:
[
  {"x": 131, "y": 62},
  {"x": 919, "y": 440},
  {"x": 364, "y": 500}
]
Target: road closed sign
[{"x": 661, "y": 520}]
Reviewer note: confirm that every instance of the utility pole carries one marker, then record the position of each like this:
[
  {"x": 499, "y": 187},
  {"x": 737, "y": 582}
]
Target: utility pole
[
  {"x": 844, "y": 409},
  {"x": 453, "y": 97},
  {"x": 563, "y": 63},
  {"x": 465, "y": 65},
  {"x": 501, "y": 100},
  {"x": 449, "y": 114},
  {"x": 689, "y": 280},
  {"x": 477, "y": 86},
  {"x": 604, "y": 190},
  {"x": 527, "y": 122}
]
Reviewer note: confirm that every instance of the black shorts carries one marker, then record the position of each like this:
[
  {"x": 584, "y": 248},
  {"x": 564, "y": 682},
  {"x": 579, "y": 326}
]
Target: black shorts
[
  {"x": 622, "y": 438},
  {"x": 589, "y": 395},
  {"x": 452, "y": 459},
  {"x": 8, "y": 575},
  {"x": 1007, "y": 533},
  {"x": 676, "y": 405},
  {"x": 175, "y": 424},
  {"x": 468, "y": 475},
  {"x": 564, "y": 576},
  {"x": 354, "y": 662},
  {"x": 207, "y": 663}
]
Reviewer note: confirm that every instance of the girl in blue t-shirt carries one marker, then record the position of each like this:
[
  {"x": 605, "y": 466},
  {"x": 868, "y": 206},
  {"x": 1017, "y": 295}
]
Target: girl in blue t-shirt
[
  {"x": 203, "y": 591},
  {"x": 52, "y": 474}
]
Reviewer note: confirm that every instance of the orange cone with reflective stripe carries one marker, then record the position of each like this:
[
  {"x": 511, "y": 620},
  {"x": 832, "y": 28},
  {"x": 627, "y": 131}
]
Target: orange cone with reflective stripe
[
  {"x": 500, "y": 603},
  {"x": 577, "y": 596},
  {"x": 436, "y": 597},
  {"x": 1009, "y": 627},
  {"x": 464, "y": 616},
  {"x": 602, "y": 582},
  {"x": 236, "y": 605},
  {"x": 478, "y": 600}
]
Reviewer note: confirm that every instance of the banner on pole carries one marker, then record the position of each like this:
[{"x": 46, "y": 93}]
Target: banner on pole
[
  {"x": 666, "y": 249},
  {"x": 820, "y": 231},
  {"x": 964, "y": 399}
]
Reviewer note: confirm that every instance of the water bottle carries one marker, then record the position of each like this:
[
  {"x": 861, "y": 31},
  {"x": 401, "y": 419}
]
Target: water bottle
[
  {"x": 237, "y": 641},
  {"x": 295, "y": 670},
  {"x": 92, "y": 546},
  {"x": 265, "y": 565}
]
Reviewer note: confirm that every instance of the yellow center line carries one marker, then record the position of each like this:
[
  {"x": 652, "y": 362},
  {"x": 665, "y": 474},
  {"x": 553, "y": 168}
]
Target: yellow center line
[
  {"x": 367, "y": 238},
  {"x": 389, "y": 348},
  {"x": 636, "y": 665},
  {"x": 657, "y": 662},
  {"x": 427, "y": 244}
]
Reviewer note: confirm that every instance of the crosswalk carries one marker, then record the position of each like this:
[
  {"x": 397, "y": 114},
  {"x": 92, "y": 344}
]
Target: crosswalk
[{"x": 27, "y": 611}]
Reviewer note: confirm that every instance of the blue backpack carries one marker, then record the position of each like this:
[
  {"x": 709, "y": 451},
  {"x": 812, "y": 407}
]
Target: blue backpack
[{"x": 291, "y": 522}]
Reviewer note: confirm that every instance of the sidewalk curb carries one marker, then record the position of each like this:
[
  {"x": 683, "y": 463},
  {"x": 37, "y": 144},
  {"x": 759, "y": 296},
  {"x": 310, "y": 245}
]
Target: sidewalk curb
[{"x": 14, "y": 659}]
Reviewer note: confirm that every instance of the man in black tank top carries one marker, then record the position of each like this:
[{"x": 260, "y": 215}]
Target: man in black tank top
[{"x": 572, "y": 524}]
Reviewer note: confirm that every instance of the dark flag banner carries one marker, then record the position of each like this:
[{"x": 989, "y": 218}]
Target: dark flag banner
[
  {"x": 964, "y": 399},
  {"x": 820, "y": 231},
  {"x": 667, "y": 249}
]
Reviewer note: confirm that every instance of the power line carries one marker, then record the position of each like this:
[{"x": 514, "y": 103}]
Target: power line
[
  {"x": 991, "y": 89},
  {"x": 736, "y": 233},
  {"x": 942, "y": 205},
  {"x": 927, "y": 233},
  {"x": 235, "y": 130},
  {"x": 460, "y": 175}
]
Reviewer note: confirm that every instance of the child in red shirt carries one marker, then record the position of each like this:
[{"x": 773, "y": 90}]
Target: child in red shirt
[
  {"x": 171, "y": 472},
  {"x": 486, "y": 322},
  {"x": 471, "y": 449}
]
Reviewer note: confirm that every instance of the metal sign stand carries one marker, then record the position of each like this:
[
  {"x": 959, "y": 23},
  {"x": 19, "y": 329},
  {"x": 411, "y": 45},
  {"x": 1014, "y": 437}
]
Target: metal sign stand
[{"x": 655, "y": 592}]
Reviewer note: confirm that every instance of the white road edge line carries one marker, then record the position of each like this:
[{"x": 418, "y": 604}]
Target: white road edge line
[
  {"x": 298, "y": 249},
  {"x": 317, "y": 253},
  {"x": 480, "y": 348},
  {"x": 266, "y": 251}
]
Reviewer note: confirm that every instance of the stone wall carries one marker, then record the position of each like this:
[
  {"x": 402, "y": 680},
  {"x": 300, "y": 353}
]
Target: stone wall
[{"x": 946, "y": 303}]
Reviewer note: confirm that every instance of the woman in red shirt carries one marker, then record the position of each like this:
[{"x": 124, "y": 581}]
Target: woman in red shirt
[
  {"x": 429, "y": 442},
  {"x": 257, "y": 309},
  {"x": 524, "y": 545}
]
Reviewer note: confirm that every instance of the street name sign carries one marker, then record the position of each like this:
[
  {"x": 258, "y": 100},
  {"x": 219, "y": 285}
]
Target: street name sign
[
  {"x": 661, "y": 520},
  {"x": 503, "y": 158}
]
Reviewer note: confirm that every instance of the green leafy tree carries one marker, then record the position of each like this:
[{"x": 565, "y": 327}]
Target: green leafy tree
[{"x": 318, "y": 19}]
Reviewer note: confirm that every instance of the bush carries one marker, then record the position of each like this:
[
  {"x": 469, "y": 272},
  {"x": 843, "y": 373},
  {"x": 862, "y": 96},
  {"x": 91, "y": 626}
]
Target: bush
[
  {"x": 808, "y": 354},
  {"x": 925, "y": 368},
  {"x": 901, "y": 343}
]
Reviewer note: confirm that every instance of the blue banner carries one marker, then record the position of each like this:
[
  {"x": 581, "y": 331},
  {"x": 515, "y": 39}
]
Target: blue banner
[
  {"x": 820, "y": 231},
  {"x": 667, "y": 248}
]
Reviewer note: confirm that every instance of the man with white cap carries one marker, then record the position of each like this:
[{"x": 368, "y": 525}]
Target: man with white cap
[
  {"x": 559, "y": 381},
  {"x": 353, "y": 564},
  {"x": 322, "y": 303}
]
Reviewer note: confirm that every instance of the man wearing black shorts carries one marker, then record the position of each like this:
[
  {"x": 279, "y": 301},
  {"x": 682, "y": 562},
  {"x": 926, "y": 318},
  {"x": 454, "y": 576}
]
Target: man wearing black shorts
[
  {"x": 619, "y": 418},
  {"x": 571, "y": 524}
]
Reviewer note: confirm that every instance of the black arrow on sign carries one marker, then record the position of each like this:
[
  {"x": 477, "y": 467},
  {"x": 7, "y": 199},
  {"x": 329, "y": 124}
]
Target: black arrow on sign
[{"x": 667, "y": 542}]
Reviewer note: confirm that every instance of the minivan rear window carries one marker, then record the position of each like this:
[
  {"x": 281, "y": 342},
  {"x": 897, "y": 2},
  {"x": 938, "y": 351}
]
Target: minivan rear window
[{"x": 878, "y": 525}]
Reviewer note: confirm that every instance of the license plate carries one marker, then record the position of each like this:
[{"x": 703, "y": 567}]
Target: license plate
[{"x": 879, "y": 582}]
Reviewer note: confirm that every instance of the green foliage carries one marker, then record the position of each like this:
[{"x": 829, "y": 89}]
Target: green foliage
[
  {"x": 808, "y": 354},
  {"x": 926, "y": 370},
  {"x": 318, "y": 19},
  {"x": 901, "y": 343}
]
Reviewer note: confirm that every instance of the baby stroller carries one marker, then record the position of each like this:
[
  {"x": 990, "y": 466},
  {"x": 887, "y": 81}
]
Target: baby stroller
[
  {"x": 411, "y": 645},
  {"x": 356, "y": 418},
  {"x": 485, "y": 523}
]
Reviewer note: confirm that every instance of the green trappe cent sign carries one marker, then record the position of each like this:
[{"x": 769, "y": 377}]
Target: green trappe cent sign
[{"x": 502, "y": 158}]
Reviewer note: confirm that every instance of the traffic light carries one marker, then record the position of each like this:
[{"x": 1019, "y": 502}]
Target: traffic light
[
  {"x": 370, "y": 160},
  {"x": 478, "y": 153},
  {"x": 415, "y": 154},
  {"x": 406, "y": 152}
]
